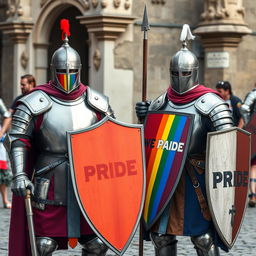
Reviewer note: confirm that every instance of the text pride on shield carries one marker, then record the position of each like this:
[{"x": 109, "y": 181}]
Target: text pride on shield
[
  {"x": 167, "y": 136},
  {"x": 108, "y": 175},
  {"x": 227, "y": 180}
]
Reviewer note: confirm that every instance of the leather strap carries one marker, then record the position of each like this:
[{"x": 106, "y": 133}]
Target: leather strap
[
  {"x": 202, "y": 202},
  {"x": 46, "y": 201}
]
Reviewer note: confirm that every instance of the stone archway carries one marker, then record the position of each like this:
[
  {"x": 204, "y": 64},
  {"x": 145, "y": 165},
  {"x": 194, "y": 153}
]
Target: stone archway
[{"x": 43, "y": 29}]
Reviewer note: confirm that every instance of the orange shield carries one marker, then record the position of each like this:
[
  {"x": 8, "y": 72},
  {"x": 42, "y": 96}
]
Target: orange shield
[{"x": 108, "y": 175}]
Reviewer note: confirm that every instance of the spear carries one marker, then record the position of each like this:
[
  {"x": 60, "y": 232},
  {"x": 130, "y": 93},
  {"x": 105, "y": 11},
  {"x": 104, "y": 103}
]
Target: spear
[
  {"x": 144, "y": 27},
  {"x": 31, "y": 230}
]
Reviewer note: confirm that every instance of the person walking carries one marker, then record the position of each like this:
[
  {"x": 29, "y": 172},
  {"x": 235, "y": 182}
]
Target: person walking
[
  {"x": 5, "y": 172},
  {"x": 27, "y": 83},
  {"x": 225, "y": 90}
]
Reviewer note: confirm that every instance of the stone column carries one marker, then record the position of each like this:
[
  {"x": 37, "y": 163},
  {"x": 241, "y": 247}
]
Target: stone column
[
  {"x": 18, "y": 26},
  {"x": 108, "y": 21},
  {"x": 41, "y": 64},
  {"x": 221, "y": 30}
]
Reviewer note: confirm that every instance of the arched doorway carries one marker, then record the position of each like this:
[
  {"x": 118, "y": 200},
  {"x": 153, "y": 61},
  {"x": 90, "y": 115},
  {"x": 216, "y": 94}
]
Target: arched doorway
[{"x": 78, "y": 40}]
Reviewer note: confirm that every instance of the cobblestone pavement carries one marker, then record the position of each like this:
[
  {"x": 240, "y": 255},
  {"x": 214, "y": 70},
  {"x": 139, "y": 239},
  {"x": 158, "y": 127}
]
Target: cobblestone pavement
[{"x": 243, "y": 246}]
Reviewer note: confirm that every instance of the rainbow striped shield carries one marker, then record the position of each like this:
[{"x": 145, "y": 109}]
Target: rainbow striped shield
[{"x": 167, "y": 137}]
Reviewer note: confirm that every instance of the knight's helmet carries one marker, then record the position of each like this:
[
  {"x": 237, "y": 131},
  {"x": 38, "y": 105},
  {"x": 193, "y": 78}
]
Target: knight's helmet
[
  {"x": 184, "y": 65},
  {"x": 65, "y": 63}
]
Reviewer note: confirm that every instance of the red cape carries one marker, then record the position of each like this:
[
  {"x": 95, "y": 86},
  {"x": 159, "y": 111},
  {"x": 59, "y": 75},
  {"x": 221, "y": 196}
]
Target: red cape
[{"x": 190, "y": 95}]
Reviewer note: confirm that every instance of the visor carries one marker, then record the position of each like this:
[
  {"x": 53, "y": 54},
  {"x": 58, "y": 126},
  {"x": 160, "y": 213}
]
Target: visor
[{"x": 67, "y": 81}]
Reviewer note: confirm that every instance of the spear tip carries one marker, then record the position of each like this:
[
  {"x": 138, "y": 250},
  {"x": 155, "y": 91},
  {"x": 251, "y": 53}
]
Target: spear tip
[{"x": 145, "y": 24}]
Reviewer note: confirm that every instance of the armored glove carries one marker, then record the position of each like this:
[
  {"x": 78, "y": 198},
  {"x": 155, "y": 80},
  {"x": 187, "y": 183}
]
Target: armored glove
[
  {"x": 20, "y": 184},
  {"x": 142, "y": 109}
]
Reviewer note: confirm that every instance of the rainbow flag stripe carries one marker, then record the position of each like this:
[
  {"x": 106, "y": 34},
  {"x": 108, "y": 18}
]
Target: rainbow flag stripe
[
  {"x": 166, "y": 140},
  {"x": 67, "y": 81}
]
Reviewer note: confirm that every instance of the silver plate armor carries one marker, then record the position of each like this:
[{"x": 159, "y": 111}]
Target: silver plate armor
[
  {"x": 3, "y": 110},
  {"x": 211, "y": 113},
  {"x": 66, "y": 68},
  {"x": 49, "y": 134},
  {"x": 184, "y": 71},
  {"x": 184, "y": 66},
  {"x": 204, "y": 245},
  {"x": 94, "y": 247},
  {"x": 248, "y": 107},
  {"x": 46, "y": 246},
  {"x": 165, "y": 245}
]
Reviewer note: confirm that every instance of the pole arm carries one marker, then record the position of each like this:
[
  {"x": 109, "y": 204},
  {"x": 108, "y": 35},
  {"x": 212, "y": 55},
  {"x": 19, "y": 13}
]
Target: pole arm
[
  {"x": 145, "y": 27},
  {"x": 31, "y": 229}
]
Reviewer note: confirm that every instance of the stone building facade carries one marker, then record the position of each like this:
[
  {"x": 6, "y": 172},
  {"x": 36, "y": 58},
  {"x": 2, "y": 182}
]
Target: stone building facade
[{"x": 107, "y": 34}]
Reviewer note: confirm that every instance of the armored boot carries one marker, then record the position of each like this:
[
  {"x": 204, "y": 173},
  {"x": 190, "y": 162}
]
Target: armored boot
[
  {"x": 204, "y": 245},
  {"x": 46, "y": 246},
  {"x": 165, "y": 245},
  {"x": 94, "y": 247}
]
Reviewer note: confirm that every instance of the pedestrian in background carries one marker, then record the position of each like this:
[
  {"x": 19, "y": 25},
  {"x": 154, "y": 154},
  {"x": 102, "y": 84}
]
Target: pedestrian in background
[
  {"x": 225, "y": 89},
  {"x": 5, "y": 172},
  {"x": 27, "y": 83},
  {"x": 248, "y": 108}
]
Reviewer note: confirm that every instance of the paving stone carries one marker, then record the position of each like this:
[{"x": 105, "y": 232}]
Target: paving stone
[{"x": 245, "y": 244}]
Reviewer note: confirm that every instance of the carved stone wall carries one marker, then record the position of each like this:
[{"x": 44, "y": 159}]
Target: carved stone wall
[
  {"x": 223, "y": 11},
  {"x": 158, "y": 1},
  {"x": 105, "y": 5}
]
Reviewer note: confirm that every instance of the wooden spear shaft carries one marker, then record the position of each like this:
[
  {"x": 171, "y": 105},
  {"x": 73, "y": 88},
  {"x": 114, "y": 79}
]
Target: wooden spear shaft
[
  {"x": 145, "y": 67},
  {"x": 144, "y": 27},
  {"x": 31, "y": 229}
]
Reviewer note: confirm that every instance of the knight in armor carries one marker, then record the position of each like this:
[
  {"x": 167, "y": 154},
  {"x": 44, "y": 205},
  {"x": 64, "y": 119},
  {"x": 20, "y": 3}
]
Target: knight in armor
[
  {"x": 188, "y": 214},
  {"x": 37, "y": 145},
  {"x": 248, "y": 108}
]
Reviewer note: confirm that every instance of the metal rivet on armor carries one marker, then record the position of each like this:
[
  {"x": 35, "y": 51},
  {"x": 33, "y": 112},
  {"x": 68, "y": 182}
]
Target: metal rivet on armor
[
  {"x": 41, "y": 99},
  {"x": 203, "y": 101},
  {"x": 96, "y": 98}
]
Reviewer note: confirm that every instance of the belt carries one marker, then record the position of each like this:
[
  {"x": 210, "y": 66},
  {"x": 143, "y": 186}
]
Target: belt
[{"x": 202, "y": 202}]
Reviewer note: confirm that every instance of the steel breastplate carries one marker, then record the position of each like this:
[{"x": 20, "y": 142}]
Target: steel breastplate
[
  {"x": 63, "y": 116},
  {"x": 199, "y": 132},
  {"x": 51, "y": 139}
]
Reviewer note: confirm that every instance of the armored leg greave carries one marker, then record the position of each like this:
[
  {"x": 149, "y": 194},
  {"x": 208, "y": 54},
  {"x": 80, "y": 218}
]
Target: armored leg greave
[
  {"x": 46, "y": 246},
  {"x": 94, "y": 247},
  {"x": 165, "y": 245},
  {"x": 205, "y": 245}
]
